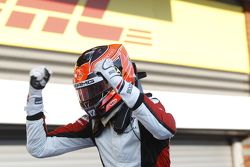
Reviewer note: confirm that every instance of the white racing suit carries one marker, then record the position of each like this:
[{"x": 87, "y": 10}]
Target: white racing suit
[{"x": 144, "y": 142}]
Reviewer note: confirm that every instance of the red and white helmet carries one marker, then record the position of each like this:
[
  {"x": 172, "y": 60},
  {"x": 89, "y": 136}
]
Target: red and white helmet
[{"x": 96, "y": 96}]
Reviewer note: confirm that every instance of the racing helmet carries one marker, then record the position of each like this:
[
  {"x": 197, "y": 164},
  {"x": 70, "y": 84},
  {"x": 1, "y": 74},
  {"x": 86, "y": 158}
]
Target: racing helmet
[{"x": 96, "y": 96}]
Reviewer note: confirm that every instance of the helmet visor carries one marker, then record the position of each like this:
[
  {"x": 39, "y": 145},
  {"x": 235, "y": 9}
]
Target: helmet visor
[{"x": 91, "y": 91}]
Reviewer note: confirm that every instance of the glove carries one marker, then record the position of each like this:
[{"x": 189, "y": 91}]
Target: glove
[
  {"x": 39, "y": 77},
  {"x": 128, "y": 92},
  {"x": 110, "y": 72}
]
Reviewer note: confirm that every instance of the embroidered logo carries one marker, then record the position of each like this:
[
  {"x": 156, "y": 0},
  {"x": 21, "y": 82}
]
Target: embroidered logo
[
  {"x": 38, "y": 100},
  {"x": 130, "y": 88}
]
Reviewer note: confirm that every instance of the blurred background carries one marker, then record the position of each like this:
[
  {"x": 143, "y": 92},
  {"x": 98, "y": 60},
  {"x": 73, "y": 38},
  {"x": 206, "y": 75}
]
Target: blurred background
[{"x": 195, "y": 52}]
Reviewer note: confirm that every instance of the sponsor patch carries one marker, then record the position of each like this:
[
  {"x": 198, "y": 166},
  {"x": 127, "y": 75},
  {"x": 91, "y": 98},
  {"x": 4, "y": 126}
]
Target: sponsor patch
[
  {"x": 112, "y": 72},
  {"x": 130, "y": 88},
  {"x": 38, "y": 100}
]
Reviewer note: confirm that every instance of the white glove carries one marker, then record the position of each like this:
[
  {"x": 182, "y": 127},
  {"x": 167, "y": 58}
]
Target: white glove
[
  {"x": 128, "y": 92},
  {"x": 39, "y": 76},
  {"x": 111, "y": 73}
]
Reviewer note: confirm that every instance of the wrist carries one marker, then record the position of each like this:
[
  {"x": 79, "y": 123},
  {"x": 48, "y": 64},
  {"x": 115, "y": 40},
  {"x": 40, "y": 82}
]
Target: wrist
[
  {"x": 34, "y": 103},
  {"x": 35, "y": 92},
  {"x": 129, "y": 93},
  {"x": 116, "y": 82},
  {"x": 35, "y": 117}
]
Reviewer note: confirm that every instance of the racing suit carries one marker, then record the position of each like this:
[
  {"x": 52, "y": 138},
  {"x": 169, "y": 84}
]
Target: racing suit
[{"x": 144, "y": 142}]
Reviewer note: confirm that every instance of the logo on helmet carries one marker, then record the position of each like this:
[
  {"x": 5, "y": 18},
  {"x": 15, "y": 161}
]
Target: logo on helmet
[
  {"x": 88, "y": 82},
  {"x": 92, "y": 113},
  {"x": 113, "y": 102}
]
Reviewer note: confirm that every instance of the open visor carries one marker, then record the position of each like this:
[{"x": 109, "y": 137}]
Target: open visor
[{"x": 91, "y": 91}]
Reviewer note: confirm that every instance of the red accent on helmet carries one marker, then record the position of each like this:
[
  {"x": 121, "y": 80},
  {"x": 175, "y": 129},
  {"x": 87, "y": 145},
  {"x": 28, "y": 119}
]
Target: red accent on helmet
[{"x": 81, "y": 73}]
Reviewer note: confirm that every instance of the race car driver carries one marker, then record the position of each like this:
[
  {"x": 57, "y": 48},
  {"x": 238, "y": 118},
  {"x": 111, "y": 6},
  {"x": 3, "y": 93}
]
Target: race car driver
[{"x": 128, "y": 126}]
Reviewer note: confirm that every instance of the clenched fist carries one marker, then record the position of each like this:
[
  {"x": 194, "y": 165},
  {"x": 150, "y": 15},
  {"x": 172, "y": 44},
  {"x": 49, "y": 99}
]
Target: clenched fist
[{"x": 39, "y": 76}]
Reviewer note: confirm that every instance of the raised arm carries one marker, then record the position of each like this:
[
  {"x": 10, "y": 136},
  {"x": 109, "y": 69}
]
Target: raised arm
[
  {"x": 149, "y": 112},
  {"x": 64, "y": 139}
]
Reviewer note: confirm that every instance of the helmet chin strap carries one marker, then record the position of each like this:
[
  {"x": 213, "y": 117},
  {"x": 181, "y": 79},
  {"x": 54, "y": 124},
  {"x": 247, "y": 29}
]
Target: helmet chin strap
[
  {"x": 99, "y": 124},
  {"x": 106, "y": 119}
]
